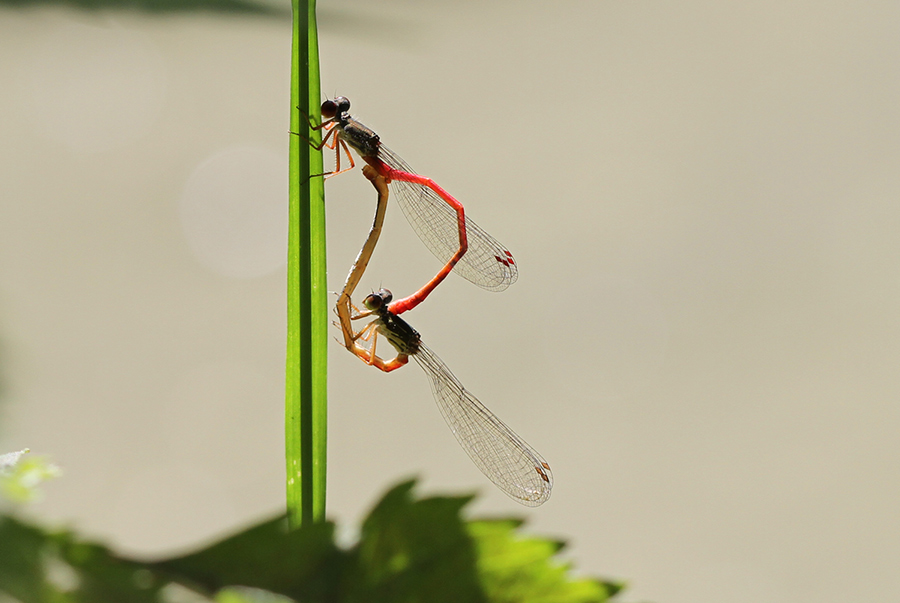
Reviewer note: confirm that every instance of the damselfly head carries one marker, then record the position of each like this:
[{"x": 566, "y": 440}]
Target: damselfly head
[
  {"x": 377, "y": 301},
  {"x": 338, "y": 106}
]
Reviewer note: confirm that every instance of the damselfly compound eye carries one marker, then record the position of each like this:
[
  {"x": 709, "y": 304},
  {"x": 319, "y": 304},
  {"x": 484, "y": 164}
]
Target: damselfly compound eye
[
  {"x": 373, "y": 302},
  {"x": 343, "y": 105},
  {"x": 329, "y": 109}
]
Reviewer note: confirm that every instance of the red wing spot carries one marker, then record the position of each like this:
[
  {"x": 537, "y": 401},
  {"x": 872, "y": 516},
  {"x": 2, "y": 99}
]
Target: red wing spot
[
  {"x": 501, "y": 260},
  {"x": 508, "y": 254}
]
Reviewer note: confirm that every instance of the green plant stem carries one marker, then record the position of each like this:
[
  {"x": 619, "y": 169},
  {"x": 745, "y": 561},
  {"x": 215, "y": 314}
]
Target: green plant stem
[{"x": 307, "y": 339}]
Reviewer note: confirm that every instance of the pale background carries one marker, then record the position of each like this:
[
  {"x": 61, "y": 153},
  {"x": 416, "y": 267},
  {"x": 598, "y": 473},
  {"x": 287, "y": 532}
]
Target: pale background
[{"x": 703, "y": 341}]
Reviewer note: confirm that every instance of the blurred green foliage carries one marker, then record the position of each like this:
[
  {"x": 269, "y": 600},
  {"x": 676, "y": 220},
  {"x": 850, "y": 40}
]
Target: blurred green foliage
[
  {"x": 410, "y": 549},
  {"x": 21, "y": 476},
  {"x": 244, "y": 7}
]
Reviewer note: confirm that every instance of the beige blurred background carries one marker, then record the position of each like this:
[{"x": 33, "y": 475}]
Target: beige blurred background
[{"x": 703, "y": 200}]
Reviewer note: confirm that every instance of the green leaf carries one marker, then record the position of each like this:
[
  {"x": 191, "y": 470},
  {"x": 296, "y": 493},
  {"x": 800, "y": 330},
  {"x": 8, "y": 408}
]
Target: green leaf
[
  {"x": 306, "y": 375},
  {"x": 239, "y": 594},
  {"x": 20, "y": 478},
  {"x": 21, "y": 563},
  {"x": 415, "y": 550},
  {"x": 102, "y": 577},
  {"x": 303, "y": 564},
  {"x": 517, "y": 569},
  {"x": 410, "y": 550},
  {"x": 39, "y": 567}
]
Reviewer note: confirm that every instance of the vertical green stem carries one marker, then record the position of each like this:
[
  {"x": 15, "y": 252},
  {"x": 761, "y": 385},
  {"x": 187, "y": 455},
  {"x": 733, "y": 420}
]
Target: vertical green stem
[{"x": 307, "y": 338}]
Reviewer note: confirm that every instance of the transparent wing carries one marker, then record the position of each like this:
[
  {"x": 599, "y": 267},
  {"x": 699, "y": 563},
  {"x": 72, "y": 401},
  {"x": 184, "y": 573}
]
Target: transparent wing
[
  {"x": 514, "y": 466},
  {"x": 486, "y": 263}
]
